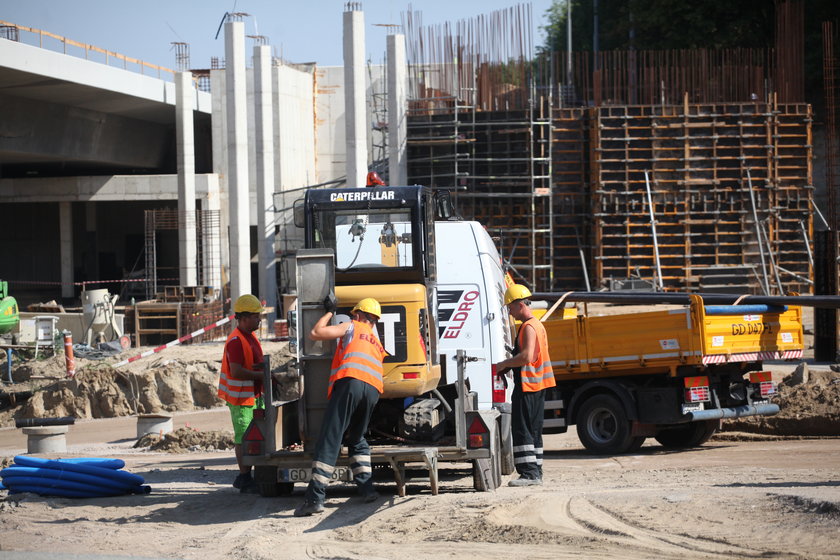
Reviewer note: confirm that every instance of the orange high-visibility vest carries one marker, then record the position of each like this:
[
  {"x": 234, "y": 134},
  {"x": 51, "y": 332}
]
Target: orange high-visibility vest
[
  {"x": 237, "y": 391},
  {"x": 537, "y": 375},
  {"x": 361, "y": 359}
]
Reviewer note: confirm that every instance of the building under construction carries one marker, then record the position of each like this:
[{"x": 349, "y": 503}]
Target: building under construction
[
  {"x": 668, "y": 170},
  {"x": 685, "y": 170}
]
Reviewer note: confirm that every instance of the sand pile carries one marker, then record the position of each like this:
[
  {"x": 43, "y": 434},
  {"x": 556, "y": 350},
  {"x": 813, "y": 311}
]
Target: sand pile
[
  {"x": 810, "y": 406},
  {"x": 184, "y": 440},
  {"x": 100, "y": 391},
  {"x": 185, "y": 379}
]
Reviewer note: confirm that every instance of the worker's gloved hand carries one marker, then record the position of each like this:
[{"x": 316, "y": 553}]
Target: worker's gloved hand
[
  {"x": 500, "y": 372},
  {"x": 329, "y": 303}
]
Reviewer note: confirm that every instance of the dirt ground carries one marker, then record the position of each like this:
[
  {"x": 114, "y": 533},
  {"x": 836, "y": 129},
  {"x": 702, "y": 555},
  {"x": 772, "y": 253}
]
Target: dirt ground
[{"x": 762, "y": 488}]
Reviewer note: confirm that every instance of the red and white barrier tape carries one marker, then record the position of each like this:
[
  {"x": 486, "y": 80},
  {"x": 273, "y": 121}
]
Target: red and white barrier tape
[
  {"x": 175, "y": 342},
  {"x": 86, "y": 282}
]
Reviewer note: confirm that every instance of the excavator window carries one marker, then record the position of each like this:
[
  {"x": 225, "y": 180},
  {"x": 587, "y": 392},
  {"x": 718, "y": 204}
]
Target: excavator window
[{"x": 366, "y": 239}]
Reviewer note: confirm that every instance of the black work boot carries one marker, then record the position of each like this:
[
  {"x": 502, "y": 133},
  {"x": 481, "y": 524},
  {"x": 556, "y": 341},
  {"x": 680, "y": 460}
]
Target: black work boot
[
  {"x": 242, "y": 479},
  {"x": 308, "y": 508}
]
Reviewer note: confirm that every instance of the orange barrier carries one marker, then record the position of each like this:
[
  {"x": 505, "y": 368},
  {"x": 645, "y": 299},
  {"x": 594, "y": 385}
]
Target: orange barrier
[{"x": 69, "y": 359}]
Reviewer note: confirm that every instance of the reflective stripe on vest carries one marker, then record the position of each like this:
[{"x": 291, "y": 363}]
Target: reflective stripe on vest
[
  {"x": 537, "y": 375},
  {"x": 237, "y": 391},
  {"x": 362, "y": 359}
]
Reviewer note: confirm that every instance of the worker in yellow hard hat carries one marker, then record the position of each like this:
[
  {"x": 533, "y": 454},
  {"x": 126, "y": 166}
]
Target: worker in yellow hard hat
[
  {"x": 532, "y": 376},
  {"x": 354, "y": 388},
  {"x": 240, "y": 383}
]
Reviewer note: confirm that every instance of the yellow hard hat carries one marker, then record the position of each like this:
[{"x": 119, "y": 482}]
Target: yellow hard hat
[
  {"x": 247, "y": 304},
  {"x": 515, "y": 292},
  {"x": 369, "y": 305}
]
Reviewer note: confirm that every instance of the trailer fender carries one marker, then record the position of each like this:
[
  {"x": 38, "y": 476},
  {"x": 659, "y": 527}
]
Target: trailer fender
[{"x": 600, "y": 386}]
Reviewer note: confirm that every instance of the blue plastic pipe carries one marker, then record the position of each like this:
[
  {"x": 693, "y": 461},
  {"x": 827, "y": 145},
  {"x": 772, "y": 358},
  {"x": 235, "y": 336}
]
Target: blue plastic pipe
[{"x": 744, "y": 309}]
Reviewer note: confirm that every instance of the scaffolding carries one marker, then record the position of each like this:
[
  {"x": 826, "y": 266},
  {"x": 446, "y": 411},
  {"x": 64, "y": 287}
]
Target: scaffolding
[
  {"x": 208, "y": 255},
  {"x": 684, "y": 170},
  {"x": 498, "y": 165},
  {"x": 707, "y": 163}
]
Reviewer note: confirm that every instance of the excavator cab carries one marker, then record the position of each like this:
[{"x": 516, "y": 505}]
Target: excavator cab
[{"x": 383, "y": 241}]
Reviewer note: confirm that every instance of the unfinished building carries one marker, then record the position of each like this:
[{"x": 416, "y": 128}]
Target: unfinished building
[{"x": 687, "y": 170}]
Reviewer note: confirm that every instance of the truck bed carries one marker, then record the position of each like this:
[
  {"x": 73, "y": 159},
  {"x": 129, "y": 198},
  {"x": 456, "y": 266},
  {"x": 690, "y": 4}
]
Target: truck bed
[{"x": 661, "y": 341}]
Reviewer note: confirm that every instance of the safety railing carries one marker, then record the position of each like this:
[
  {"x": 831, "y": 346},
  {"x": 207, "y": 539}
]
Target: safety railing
[{"x": 51, "y": 41}]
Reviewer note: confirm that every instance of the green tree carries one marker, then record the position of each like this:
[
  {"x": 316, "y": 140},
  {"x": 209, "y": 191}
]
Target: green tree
[
  {"x": 661, "y": 24},
  {"x": 681, "y": 24}
]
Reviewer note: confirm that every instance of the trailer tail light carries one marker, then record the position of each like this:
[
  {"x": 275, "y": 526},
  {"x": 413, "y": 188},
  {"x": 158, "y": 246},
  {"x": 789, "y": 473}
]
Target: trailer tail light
[
  {"x": 478, "y": 435},
  {"x": 696, "y": 389},
  {"x": 764, "y": 380},
  {"x": 499, "y": 387},
  {"x": 252, "y": 440}
]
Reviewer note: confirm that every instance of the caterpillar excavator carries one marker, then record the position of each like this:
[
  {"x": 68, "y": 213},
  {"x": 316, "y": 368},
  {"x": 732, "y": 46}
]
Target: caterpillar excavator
[{"x": 440, "y": 283}]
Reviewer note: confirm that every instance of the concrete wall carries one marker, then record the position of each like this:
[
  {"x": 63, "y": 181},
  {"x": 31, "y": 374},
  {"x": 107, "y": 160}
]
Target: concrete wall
[
  {"x": 329, "y": 118},
  {"x": 97, "y": 189},
  {"x": 38, "y": 130},
  {"x": 294, "y": 128}
]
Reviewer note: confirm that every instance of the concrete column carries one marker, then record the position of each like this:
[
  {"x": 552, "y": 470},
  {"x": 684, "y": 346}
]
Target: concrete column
[
  {"x": 218, "y": 131},
  {"x": 237, "y": 139},
  {"x": 397, "y": 161},
  {"x": 211, "y": 235},
  {"x": 264, "y": 132},
  {"x": 185, "y": 139},
  {"x": 354, "y": 97},
  {"x": 65, "y": 226},
  {"x": 90, "y": 254}
]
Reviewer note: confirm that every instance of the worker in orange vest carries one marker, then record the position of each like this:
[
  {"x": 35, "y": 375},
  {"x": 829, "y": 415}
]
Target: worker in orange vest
[
  {"x": 354, "y": 388},
  {"x": 240, "y": 383},
  {"x": 532, "y": 376},
  {"x": 374, "y": 180}
]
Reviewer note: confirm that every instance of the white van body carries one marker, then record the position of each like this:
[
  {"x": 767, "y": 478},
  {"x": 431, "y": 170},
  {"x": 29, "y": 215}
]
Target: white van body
[{"x": 470, "y": 302}]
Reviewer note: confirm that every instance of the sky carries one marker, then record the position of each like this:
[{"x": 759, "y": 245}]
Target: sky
[{"x": 298, "y": 30}]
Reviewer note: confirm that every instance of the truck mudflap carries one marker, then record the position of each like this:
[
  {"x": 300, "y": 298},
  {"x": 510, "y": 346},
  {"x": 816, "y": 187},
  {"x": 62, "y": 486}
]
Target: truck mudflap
[{"x": 733, "y": 412}]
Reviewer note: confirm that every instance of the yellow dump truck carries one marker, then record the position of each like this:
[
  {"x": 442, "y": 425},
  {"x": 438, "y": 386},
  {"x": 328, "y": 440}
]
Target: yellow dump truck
[{"x": 671, "y": 375}]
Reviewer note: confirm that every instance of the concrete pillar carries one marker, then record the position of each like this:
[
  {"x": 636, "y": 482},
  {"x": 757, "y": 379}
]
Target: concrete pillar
[
  {"x": 90, "y": 252},
  {"x": 211, "y": 235},
  {"x": 218, "y": 132},
  {"x": 237, "y": 145},
  {"x": 354, "y": 97},
  {"x": 397, "y": 127},
  {"x": 65, "y": 226},
  {"x": 185, "y": 140},
  {"x": 264, "y": 132}
]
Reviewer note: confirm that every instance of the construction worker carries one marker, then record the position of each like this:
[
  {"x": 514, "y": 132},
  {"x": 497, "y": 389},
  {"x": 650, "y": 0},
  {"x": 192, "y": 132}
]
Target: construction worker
[
  {"x": 354, "y": 388},
  {"x": 532, "y": 376},
  {"x": 374, "y": 180},
  {"x": 240, "y": 384}
]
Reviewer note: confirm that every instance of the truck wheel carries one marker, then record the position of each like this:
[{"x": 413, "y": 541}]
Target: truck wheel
[
  {"x": 487, "y": 473},
  {"x": 687, "y": 435},
  {"x": 506, "y": 457},
  {"x": 603, "y": 427},
  {"x": 636, "y": 444},
  {"x": 266, "y": 479}
]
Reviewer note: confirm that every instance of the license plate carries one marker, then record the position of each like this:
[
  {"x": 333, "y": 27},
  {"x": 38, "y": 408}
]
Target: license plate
[
  {"x": 692, "y": 407},
  {"x": 305, "y": 474}
]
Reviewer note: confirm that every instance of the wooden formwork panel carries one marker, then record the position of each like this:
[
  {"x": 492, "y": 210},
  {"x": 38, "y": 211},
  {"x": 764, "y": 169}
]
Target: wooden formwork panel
[
  {"x": 571, "y": 199},
  {"x": 698, "y": 159}
]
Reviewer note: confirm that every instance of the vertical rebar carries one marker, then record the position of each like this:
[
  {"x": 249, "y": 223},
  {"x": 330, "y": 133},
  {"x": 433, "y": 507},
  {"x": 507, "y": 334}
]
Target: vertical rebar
[
  {"x": 653, "y": 231},
  {"x": 766, "y": 284}
]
